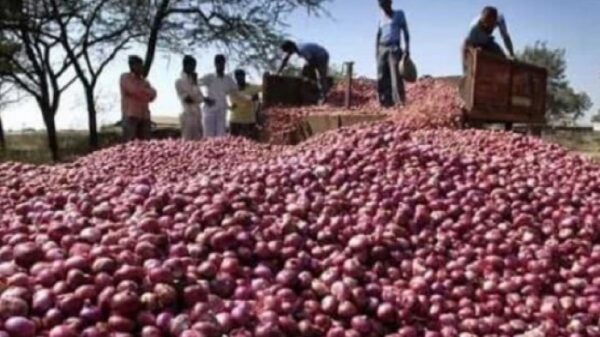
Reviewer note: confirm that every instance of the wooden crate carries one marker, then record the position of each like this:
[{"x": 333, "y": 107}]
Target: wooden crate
[
  {"x": 500, "y": 90},
  {"x": 289, "y": 91},
  {"x": 282, "y": 90}
]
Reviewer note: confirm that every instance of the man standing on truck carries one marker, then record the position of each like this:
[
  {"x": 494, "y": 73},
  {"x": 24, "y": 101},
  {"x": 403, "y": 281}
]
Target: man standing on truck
[
  {"x": 392, "y": 27},
  {"x": 317, "y": 62},
  {"x": 481, "y": 34}
]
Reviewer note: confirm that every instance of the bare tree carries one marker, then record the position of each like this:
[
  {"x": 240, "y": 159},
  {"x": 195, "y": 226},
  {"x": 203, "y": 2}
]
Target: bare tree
[
  {"x": 249, "y": 29},
  {"x": 7, "y": 97},
  {"x": 35, "y": 66},
  {"x": 92, "y": 33}
]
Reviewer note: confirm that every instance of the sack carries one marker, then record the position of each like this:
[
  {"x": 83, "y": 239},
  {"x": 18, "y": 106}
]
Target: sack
[{"x": 408, "y": 69}]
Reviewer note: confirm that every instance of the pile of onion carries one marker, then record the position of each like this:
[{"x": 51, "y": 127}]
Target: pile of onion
[{"x": 381, "y": 230}]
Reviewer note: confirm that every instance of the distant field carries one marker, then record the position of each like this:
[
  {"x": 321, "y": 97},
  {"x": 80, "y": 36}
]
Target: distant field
[
  {"x": 31, "y": 147},
  {"x": 587, "y": 143}
]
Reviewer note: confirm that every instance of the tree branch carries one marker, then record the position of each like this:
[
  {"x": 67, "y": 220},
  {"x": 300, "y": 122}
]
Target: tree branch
[
  {"x": 23, "y": 85},
  {"x": 109, "y": 59},
  {"x": 68, "y": 84}
]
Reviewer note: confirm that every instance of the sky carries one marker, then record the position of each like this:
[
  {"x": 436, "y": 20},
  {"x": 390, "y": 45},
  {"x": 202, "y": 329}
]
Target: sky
[{"x": 437, "y": 28}]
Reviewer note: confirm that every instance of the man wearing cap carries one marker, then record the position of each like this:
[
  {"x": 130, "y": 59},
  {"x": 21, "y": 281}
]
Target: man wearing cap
[
  {"x": 317, "y": 62},
  {"x": 191, "y": 97},
  {"x": 136, "y": 96},
  {"x": 219, "y": 87},
  {"x": 392, "y": 28}
]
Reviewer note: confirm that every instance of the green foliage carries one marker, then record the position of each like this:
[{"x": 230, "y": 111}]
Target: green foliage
[
  {"x": 8, "y": 10},
  {"x": 596, "y": 117},
  {"x": 562, "y": 101}
]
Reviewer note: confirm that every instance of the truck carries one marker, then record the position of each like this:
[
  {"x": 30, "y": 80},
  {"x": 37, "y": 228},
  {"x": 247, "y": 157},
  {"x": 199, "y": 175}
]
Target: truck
[{"x": 499, "y": 90}]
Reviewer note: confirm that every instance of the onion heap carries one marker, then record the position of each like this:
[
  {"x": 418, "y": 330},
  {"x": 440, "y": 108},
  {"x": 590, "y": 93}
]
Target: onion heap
[
  {"x": 388, "y": 229},
  {"x": 430, "y": 103}
]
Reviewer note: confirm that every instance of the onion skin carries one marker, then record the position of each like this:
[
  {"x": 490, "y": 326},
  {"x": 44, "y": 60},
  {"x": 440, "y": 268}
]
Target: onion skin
[
  {"x": 20, "y": 327},
  {"x": 11, "y": 306},
  {"x": 126, "y": 303},
  {"x": 63, "y": 331}
]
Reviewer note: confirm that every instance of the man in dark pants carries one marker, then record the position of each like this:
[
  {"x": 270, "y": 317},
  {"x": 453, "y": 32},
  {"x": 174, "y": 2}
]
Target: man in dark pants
[
  {"x": 481, "y": 34},
  {"x": 136, "y": 95},
  {"x": 392, "y": 27},
  {"x": 317, "y": 63}
]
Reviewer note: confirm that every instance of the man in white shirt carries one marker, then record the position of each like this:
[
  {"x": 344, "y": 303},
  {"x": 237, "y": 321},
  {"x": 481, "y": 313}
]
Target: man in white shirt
[
  {"x": 218, "y": 87},
  {"x": 392, "y": 28},
  {"x": 191, "y": 97},
  {"x": 481, "y": 34}
]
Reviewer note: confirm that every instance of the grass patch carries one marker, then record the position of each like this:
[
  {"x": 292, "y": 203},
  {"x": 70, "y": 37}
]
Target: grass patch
[
  {"x": 32, "y": 147},
  {"x": 588, "y": 142}
]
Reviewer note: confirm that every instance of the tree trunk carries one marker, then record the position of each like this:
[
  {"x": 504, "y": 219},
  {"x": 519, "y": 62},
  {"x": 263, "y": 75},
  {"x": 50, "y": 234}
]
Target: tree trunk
[
  {"x": 51, "y": 132},
  {"x": 159, "y": 17},
  {"x": 92, "y": 123},
  {"x": 2, "y": 139}
]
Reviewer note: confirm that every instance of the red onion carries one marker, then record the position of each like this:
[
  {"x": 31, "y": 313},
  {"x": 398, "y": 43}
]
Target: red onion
[
  {"x": 120, "y": 324},
  {"x": 42, "y": 301},
  {"x": 95, "y": 332},
  {"x": 151, "y": 331},
  {"x": 20, "y": 327},
  {"x": 165, "y": 295},
  {"x": 126, "y": 303},
  {"x": 90, "y": 314},
  {"x": 361, "y": 324},
  {"x": 179, "y": 324},
  {"x": 69, "y": 304},
  {"x": 28, "y": 253},
  {"x": 163, "y": 321},
  {"x": 346, "y": 309},
  {"x": 63, "y": 331},
  {"x": 329, "y": 305},
  {"x": 13, "y": 306},
  {"x": 53, "y": 317},
  {"x": 191, "y": 333}
]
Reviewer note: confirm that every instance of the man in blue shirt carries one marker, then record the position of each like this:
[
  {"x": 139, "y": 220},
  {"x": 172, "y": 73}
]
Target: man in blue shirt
[
  {"x": 317, "y": 62},
  {"x": 481, "y": 34},
  {"x": 392, "y": 27}
]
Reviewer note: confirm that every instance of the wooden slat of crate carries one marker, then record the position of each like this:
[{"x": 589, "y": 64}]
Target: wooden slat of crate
[
  {"x": 322, "y": 123},
  {"x": 500, "y": 90},
  {"x": 349, "y": 120},
  {"x": 529, "y": 91},
  {"x": 281, "y": 90}
]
